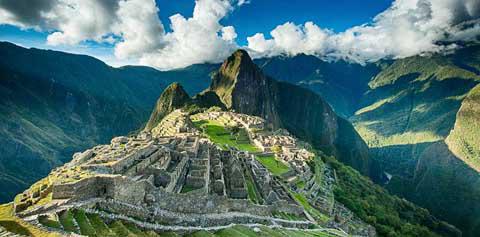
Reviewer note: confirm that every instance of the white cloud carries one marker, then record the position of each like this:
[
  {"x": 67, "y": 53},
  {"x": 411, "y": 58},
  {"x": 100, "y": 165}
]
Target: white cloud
[
  {"x": 407, "y": 28},
  {"x": 133, "y": 28},
  {"x": 198, "y": 39},
  {"x": 139, "y": 28},
  {"x": 228, "y": 33}
]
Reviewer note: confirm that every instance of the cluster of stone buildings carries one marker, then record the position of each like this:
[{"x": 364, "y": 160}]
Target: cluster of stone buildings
[{"x": 174, "y": 172}]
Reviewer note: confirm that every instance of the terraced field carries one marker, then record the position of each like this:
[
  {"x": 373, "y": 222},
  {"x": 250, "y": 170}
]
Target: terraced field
[
  {"x": 79, "y": 222},
  {"x": 15, "y": 225}
]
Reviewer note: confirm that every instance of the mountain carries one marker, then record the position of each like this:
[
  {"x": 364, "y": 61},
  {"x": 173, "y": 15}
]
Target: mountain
[
  {"x": 340, "y": 83},
  {"x": 172, "y": 98},
  {"x": 419, "y": 120},
  {"x": 464, "y": 138},
  {"x": 53, "y": 104},
  {"x": 446, "y": 178},
  {"x": 418, "y": 117},
  {"x": 243, "y": 87},
  {"x": 211, "y": 173}
]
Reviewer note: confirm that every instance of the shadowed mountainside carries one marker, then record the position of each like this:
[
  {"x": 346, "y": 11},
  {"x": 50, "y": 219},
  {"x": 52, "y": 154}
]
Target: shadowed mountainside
[{"x": 53, "y": 104}]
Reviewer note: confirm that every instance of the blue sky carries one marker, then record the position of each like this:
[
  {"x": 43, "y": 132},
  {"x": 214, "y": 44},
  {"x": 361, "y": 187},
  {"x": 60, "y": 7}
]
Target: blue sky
[
  {"x": 265, "y": 15},
  {"x": 256, "y": 16},
  {"x": 185, "y": 32}
]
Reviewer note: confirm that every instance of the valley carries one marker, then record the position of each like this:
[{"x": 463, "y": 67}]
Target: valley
[{"x": 197, "y": 161}]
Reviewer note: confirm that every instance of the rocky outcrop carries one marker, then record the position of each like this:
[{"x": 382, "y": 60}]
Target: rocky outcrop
[
  {"x": 243, "y": 87},
  {"x": 174, "y": 97},
  {"x": 464, "y": 139}
]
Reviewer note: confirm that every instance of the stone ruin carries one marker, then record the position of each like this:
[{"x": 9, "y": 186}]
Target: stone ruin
[{"x": 173, "y": 175}]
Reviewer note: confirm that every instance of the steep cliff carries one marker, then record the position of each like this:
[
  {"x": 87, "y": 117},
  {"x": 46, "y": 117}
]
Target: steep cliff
[
  {"x": 243, "y": 87},
  {"x": 464, "y": 139},
  {"x": 173, "y": 97}
]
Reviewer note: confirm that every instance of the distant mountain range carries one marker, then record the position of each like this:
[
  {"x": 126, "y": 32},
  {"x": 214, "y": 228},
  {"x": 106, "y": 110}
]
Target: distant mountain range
[
  {"x": 419, "y": 116},
  {"x": 54, "y": 104}
]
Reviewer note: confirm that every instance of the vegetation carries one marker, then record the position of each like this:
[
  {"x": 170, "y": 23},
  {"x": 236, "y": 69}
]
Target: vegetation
[
  {"x": 118, "y": 228},
  {"x": 83, "y": 223},
  {"x": 390, "y": 215},
  {"x": 19, "y": 226},
  {"x": 275, "y": 166},
  {"x": 464, "y": 139},
  {"x": 49, "y": 221},
  {"x": 186, "y": 189},
  {"x": 43, "y": 124},
  {"x": 252, "y": 191},
  {"x": 220, "y": 135},
  {"x": 100, "y": 227},
  {"x": 67, "y": 220}
]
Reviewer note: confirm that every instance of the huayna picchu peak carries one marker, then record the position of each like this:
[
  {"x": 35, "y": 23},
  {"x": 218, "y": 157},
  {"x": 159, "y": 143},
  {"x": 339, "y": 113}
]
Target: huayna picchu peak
[{"x": 244, "y": 88}]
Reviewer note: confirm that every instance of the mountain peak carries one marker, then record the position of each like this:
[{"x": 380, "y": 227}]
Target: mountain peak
[
  {"x": 236, "y": 73},
  {"x": 238, "y": 62},
  {"x": 173, "y": 97}
]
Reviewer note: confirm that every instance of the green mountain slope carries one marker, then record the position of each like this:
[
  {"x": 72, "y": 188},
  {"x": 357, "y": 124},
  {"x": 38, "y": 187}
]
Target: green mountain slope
[
  {"x": 243, "y": 87},
  {"x": 406, "y": 115},
  {"x": 340, "y": 83},
  {"x": 464, "y": 139},
  {"x": 173, "y": 97},
  {"x": 390, "y": 215},
  {"x": 53, "y": 104}
]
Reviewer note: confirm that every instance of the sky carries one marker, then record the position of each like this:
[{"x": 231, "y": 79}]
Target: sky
[{"x": 170, "y": 34}]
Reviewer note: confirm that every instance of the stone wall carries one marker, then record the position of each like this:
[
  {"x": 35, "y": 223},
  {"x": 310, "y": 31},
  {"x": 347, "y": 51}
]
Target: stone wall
[
  {"x": 111, "y": 187},
  {"x": 192, "y": 219},
  {"x": 203, "y": 204}
]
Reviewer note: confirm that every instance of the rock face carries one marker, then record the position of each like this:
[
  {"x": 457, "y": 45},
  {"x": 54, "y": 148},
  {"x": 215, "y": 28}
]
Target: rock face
[
  {"x": 173, "y": 97},
  {"x": 448, "y": 187},
  {"x": 464, "y": 139},
  {"x": 243, "y": 87}
]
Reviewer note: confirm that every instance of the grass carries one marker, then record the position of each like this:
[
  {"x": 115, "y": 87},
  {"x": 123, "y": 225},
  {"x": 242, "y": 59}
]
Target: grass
[
  {"x": 186, "y": 189},
  {"x": 85, "y": 227},
  {"x": 273, "y": 165},
  {"x": 49, "y": 222},
  {"x": 201, "y": 233},
  {"x": 67, "y": 221},
  {"x": 252, "y": 193},
  {"x": 220, "y": 135},
  {"x": 100, "y": 227},
  {"x": 19, "y": 226},
  {"x": 14, "y": 227},
  {"x": 300, "y": 184},
  {"x": 120, "y": 230},
  {"x": 303, "y": 201}
]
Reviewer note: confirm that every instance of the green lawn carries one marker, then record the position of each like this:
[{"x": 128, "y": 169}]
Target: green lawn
[
  {"x": 302, "y": 200},
  {"x": 66, "y": 219},
  {"x": 100, "y": 227},
  {"x": 85, "y": 227},
  {"x": 49, "y": 222},
  {"x": 201, "y": 233},
  {"x": 275, "y": 166},
  {"x": 120, "y": 229},
  {"x": 186, "y": 189},
  {"x": 252, "y": 194},
  {"x": 221, "y": 136}
]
